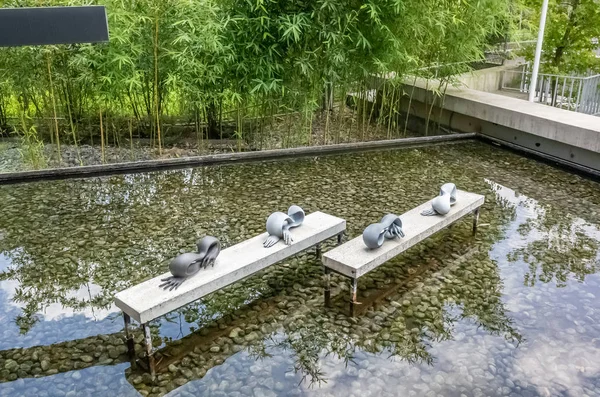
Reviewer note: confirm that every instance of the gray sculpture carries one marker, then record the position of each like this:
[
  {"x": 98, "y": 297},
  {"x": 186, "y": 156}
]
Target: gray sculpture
[
  {"x": 441, "y": 204},
  {"x": 390, "y": 227},
  {"x": 279, "y": 225},
  {"x": 186, "y": 265}
]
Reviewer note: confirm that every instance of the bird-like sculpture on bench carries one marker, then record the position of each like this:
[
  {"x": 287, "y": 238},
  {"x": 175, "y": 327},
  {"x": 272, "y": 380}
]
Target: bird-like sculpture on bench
[
  {"x": 389, "y": 227},
  {"x": 279, "y": 225},
  {"x": 188, "y": 264},
  {"x": 441, "y": 204}
]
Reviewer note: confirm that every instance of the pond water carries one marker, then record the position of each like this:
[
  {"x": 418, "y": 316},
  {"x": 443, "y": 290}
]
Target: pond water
[{"x": 512, "y": 311}]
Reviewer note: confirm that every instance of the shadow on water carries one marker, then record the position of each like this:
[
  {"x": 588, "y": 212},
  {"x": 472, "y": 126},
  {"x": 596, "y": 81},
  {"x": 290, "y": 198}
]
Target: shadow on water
[{"x": 455, "y": 314}]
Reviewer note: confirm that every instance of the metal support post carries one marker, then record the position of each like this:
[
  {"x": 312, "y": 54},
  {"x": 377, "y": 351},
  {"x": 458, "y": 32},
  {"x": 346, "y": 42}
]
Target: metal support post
[
  {"x": 149, "y": 350},
  {"x": 353, "y": 301},
  {"x": 327, "y": 291},
  {"x": 475, "y": 220},
  {"x": 129, "y": 337}
]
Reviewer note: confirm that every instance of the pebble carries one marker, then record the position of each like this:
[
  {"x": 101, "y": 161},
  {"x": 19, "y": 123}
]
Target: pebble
[
  {"x": 87, "y": 359},
  {"x": 261, "y": 392}
]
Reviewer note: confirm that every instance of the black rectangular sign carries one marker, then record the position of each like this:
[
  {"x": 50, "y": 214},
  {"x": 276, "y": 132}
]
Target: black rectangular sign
[{"x": 52, "y": 25}]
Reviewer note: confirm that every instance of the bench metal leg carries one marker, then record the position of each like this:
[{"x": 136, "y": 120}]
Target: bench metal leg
[
  {"x": 353, "y": 301},
  {"x": 475, "y": 220},
  {"x": 149, "y": 350},
  {"x": 129, "y": 337},
  {"x": 340, "y": 237},
  {"x": 327, "y": 292},
  {"x": 318, "y": 251}
]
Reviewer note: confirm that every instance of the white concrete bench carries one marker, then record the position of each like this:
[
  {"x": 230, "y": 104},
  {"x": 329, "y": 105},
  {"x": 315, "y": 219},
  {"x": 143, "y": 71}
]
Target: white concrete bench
[
  {"x": 147, "y": 301},
  {"x": 353, "y": 259}
]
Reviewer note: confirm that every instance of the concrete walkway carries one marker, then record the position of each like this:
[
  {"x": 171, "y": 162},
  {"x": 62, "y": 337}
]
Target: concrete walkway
[{"x": 564, "y": 135}]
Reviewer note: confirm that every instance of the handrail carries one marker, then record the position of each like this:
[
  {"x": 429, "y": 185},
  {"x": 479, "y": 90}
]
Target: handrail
[{"x": 578, "y": 93}]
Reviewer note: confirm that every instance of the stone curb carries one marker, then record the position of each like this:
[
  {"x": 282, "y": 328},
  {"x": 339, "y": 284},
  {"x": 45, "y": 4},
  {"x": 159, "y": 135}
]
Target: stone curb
[{"x": 156, "y": 165}]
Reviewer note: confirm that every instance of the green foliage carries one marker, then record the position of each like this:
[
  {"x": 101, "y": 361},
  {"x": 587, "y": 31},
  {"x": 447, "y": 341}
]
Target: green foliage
[
  {"x": 239, "y": 60},
  {"x": 32, "y": 148},
  {"x": 571, "y": 27}
]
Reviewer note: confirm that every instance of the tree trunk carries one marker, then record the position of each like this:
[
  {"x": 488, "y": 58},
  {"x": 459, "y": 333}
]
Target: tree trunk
[{"x": 564, "y": 42}]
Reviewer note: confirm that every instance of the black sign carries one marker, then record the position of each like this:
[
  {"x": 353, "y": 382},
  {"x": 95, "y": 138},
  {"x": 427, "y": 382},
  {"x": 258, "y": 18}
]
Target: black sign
[{"x": 52, "y": 25}]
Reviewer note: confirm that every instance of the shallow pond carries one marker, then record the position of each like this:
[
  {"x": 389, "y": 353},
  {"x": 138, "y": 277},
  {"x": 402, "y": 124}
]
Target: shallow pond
[{"x": 511, "y": 311}]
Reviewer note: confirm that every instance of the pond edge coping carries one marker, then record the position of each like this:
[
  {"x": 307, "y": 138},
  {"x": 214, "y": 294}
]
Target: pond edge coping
[
  {"x": 569, "y": 166},
  {"x": 221, "y": 158}
]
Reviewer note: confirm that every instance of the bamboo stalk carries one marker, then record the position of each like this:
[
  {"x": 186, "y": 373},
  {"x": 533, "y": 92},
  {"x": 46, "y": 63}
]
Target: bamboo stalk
[
  {"x": 157, "y": 108},
  {"x": 240, "y": 129},
  {"x": 381, "y": 107},
  {"x": 439, "y": 121},
  {"x": 197, "y": 128},
  {"x": 389, "y": 123},
  {"x": 54, "y": 110},
  {"x": 340, "y": 115},
  {"x": 221, "y": 117},
  {"x": 412, "y": 91},
  {"x": 426, "y": 97},
  {"x": 431, "y": 109},
  {"x": 91, "y": 133},
  {"x": 205, "y": 127},
  {"x": 364, "y": 107},
  {"x": 102, "y": 138},
  {"x": 131, "y": 154},
  {"x": 326, "y": 125},
  {"x": 73, "y": 130}
]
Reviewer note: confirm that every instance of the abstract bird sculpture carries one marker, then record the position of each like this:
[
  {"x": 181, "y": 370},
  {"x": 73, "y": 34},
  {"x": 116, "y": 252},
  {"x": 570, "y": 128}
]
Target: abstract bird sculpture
[
  {"x": 441, "y": 204},
  {"x": 389, "y": 227},
  {"x": 186, "y": 265},
  {"x": 279, "y": 225}
]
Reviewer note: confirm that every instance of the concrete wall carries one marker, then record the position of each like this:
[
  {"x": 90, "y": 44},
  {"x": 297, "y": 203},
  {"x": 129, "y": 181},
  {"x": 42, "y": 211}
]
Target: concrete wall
[
  {"x": 490, "y": 79},
  {"x": 568, "y": 135},
  {"x": 563, "y": 134}
]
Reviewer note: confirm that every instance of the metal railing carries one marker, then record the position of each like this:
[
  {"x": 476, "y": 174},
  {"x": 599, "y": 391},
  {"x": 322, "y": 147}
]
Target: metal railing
[{"x": 580, "y": 94}]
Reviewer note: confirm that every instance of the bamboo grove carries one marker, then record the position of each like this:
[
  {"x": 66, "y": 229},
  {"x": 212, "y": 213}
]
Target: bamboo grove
[{"x": 232, "y": 67}]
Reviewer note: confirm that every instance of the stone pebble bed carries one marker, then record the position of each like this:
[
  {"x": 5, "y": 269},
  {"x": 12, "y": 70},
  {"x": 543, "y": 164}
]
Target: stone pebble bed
[{"x": 455, "y": 315}]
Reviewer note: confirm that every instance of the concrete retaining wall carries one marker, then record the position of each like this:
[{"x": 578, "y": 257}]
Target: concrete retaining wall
[{"x": 569, "y": 136}]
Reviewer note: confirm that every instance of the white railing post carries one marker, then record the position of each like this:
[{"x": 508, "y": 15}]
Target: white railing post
[{"x": 538, "y": 49}]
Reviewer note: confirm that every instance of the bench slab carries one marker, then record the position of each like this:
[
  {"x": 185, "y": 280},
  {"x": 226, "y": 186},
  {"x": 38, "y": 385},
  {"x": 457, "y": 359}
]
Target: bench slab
[
  {"x": 354, "y": 259},
  {"x": 146, "y": 301}
]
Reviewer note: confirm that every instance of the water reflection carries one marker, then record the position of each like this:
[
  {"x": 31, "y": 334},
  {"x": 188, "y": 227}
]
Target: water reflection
[
  {"x": 455, "y": 314},
  {"x": 556, "y": 245},
  {"x": 74, "y": 383},
  {"x": 542, "y": 249}
]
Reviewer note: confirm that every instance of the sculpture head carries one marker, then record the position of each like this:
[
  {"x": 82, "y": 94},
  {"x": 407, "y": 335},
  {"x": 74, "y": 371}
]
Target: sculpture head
[
  {"x": 188, "y": 264},
  {"x": 374, "y": 235},
  {"x": 208, "y": 243},
  {"x": 449, "y": 189},
  {"x": 185, "y": 265},
  {"x": 275, "y": 223},
  {"x": 441, "y": 204},
  {"x": 279, "y": 225}
]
